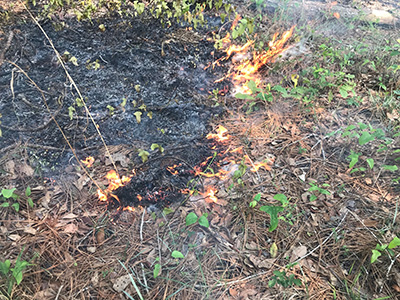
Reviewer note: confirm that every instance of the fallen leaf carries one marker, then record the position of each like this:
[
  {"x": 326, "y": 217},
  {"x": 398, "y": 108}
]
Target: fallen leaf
[
  {"x": 71, "y": 228},
  {"x": 91, "y": 249},
  {"x": 30, "y": 230},
  {"x": 69, "y": 216},
  {"x": 24, "y": 168},
  {"x": 233, "y": 292},
  {"x": 368, "y": 181},
  {"x": 121, "y": 283},
  {"x": 100, "y": 236},
  {"x": 298, "y": 252},
  {"x": 14, "y": 237},
  {"x": 273, "y": 250}
]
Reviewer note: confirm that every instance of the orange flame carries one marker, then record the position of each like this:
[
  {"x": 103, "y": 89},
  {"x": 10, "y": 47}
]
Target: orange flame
[
  {"x": 247, "y": 68},
  {"x": 210, "y": 195},
  {"x": 114, "y": 182},
  {"x": 219, "y": 136},
  {"x": 88, "y": 162}
]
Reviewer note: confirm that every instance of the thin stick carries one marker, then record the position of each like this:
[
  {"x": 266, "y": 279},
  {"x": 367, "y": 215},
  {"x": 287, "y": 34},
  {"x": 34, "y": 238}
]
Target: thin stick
[
  {"x": 324, "y": 241},
  {"x": 59, "y": 292},
  {"x": 141, "y": 225}
]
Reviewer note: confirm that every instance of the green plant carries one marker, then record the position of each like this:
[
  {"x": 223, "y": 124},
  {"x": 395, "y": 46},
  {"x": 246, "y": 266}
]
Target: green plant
[
  {"x": 377, "y": 252},
  {"x": 7, "y": 195},
  {"x": 13, "y": 275},
  {"x": 192, "y": 218},
  {"x": 318, "y": 190},
  {"x": 281, "y": 278},
  {"x": 273, "y": 210}
]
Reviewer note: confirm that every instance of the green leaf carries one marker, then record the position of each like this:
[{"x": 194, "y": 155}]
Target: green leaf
[
  {"x": 343, "y": 92},
  {"x": 16, "y": 206},
  {"x": 191, "y": 218},
  {"x": 144, "y": 155},
  {"x": 257, "y": 197},
  {"x": 394, "y": 243},
  {"x": 138, "y": 116},
  {"x": 7, "y": 193},
  {"x": 390, "y": 168},
  {"x": 177, "y": 254},
  {"x": 253, "y": 204},
  {"x": 203, "y": 221},
  {"x": 375, "y": 255},
  {"x": 157, "y": 270},
  {"x": 167, "y": 210},
  {"x": 244, "y": 96},
  {"x": 370, "y": 162},
  {"x": 273, "y": 213},
  {"x": 157, "y": 146},
  {"x": 273, "y": 250},
  {"x": 71, "y": 111},
  {"x": 5, "y": 267},
  {"x": 354, "y": 159},
  {"x": 17, "y": 274},
  {"x": 253, "y": 87},
  {"x": 282, "y": 199},
  {"x": 5, "y": 204},
  {"x": 313, "y": 198},
  {"x": 365, "y": 138},
  {"x": 28, "y": 191},
  {"x": 30, "y": 202}
]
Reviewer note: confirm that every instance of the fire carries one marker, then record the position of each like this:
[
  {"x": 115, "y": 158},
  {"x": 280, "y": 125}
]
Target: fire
[
  {"x": 221, "y": 174},
  {"x": 210, "y": 195},
  {"x": 246, "y": 68},
  {"x": 114, "y": 182},
  {"x": 260, "y": 165},
  {"x": 88, "y": 162},
  {"x": 172, "y": 169},
  {"x": 219, "y": 136}
]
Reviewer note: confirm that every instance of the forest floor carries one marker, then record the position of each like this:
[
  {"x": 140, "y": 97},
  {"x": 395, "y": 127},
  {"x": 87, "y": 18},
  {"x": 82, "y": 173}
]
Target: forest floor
[{"x": 297, "y": 199}]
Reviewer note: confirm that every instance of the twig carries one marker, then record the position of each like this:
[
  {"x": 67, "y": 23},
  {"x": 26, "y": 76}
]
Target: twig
[
  {"x": 141, "y": 226},
  {"x": 59, "y": 292},
  {"x": 145, "y": 280},
  {"x": 326, "y": 239}
]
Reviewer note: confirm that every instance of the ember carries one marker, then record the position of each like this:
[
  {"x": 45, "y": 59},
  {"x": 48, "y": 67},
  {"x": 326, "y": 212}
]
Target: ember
[{"x": 88, "y": 162}]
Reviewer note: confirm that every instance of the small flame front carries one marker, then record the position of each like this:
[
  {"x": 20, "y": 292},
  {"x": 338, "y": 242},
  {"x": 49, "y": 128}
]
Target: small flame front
[
  {"x": 220, "y": 135},
  {"x": 88, "y": 162},
  {"x": 114, "y": 182}
]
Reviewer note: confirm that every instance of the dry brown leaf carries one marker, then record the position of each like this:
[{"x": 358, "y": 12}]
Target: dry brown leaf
[
  {"x": 368, "y": 181},
  {"x": 81, "y": 182},
  {"x": 121, "y": 283},
  {"x": 233, "y": 292},
  {"x": 30, "y": 230},
  {"x": 69, "y": 216},
  {"x": 24, "y": 168},
  {"x": 14, "y": 237},
  {"x": 100, "y": 236},
  {"x": 298, "y": 252},
  {"x": 71, "y": 228},
  {"x": 45, "y": 200}
]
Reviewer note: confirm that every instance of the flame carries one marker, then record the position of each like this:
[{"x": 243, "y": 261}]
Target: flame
[
  {"x": 260, "y": 165},
  {"x": 219, "y": 136},
  {"x": 210, "y": 195},
  {"x": 114, "y": 182},
  {"x": 221, "y": 174},
  {"x": 88, "y": 162},
  {"x": 172, "y": 169},
  {"x": 246, "y": 68},
  {"x": 129, "y": 208}
]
